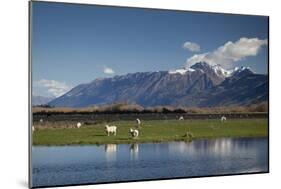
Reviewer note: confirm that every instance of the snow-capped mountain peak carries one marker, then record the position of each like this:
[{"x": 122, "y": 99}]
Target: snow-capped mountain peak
[
  {"x": 221, "y": 71},
  {"x": 181, "y": 71},
  {"x": 212, "y": 69},
  {"x": 240, "y": 69}
]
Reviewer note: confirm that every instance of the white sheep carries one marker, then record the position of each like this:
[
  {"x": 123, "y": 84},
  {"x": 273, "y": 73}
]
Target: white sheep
[
  {"x": 181, "y": 118},
  {"x": 110, "y": 130},
  {"x": 41, "y": 120},
  {"x": 134, "y": 132},
  {"x": 33, "y": 129},
  {"x": 79, "y": 125},
  {"x": 223, "y": 119},
  {"x": 138, "y": 121}
]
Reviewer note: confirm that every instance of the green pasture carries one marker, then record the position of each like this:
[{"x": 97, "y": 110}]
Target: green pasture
[{"x": 151, "y": 131}]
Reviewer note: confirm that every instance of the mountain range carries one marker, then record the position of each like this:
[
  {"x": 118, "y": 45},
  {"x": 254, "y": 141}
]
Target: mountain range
[
  {"x": 201, "y": 85},
  {"x": 40, "y": 100}
]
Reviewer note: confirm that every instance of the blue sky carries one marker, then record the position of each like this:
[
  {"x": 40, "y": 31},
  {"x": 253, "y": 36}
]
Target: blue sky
[{"x": 74, "y": 44}]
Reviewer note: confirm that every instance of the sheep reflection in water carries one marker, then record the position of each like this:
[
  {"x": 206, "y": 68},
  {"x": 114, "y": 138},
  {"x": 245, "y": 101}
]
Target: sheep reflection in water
[
  {"x": 110, "y": 151},
  {"x": 134, "y": 151}
]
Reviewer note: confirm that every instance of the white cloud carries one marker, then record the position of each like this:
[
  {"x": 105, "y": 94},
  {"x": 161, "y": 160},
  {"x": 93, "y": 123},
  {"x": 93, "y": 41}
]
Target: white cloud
[
  {"x": 193, "y": 47},
  {"x": 108, "y": 70},
  {"x": 53, "y": 87},
  {"x": 230, "y": 52}
]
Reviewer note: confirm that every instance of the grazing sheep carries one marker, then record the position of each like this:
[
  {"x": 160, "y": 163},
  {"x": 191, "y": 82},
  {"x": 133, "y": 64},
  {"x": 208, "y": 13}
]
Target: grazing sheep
[
  {"x": 134, "y": 132},
  {"x": 110, "y": 130},
  {"x": 79, "y": 125},
  {"x": 138, "y": 121},
  {"x": 181, "y": 118},
  {"x": 223, "y": 119}
]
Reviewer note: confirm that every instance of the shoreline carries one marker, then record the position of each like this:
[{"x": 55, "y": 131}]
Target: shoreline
[
  {"x": 154, "y": 131},
  {"x": 149, "y": 142}
]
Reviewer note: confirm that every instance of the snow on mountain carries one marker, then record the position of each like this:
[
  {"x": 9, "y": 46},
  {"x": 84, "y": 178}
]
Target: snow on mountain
[
  {"x": 217, "y": 69},
  {"x": 221, "y": 72},
  {"x": 181, "y": 71},
  {"x": 240, "y": 69}
]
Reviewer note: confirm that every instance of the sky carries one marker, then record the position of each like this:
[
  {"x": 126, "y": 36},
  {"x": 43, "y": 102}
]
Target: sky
[{"x": 74, "y": 44}]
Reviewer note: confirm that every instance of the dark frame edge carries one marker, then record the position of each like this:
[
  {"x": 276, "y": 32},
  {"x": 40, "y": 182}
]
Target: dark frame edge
[{"x": 268, "y": 75}]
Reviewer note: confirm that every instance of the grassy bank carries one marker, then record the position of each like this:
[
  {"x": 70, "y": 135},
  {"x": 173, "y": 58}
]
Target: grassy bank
[{"x": 152, "y": 131}]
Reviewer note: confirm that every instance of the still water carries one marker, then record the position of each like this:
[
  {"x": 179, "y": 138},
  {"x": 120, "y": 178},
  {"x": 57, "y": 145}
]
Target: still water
[{"x": 66, "y": 165}]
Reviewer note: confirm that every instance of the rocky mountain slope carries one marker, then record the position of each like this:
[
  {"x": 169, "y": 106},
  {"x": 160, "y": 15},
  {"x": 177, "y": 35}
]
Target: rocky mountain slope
[{"x": 201, "y": 85}]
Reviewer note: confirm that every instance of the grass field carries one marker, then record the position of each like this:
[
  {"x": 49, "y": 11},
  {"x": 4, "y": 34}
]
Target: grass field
[{"x": 151, "y": 131}]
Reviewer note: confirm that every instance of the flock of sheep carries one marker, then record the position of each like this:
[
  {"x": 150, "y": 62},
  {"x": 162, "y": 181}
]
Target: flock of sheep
[
  {"x": 108, "y": 129},
  {"x": 113, "y": 129},
  {"x": 134, "y": 132}
]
